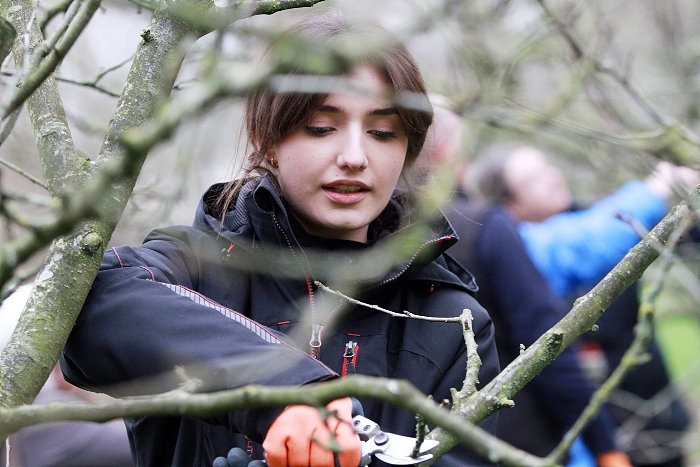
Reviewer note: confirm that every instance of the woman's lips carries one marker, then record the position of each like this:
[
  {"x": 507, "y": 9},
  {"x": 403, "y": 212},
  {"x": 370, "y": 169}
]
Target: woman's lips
[{"x": 345, "y": 193}]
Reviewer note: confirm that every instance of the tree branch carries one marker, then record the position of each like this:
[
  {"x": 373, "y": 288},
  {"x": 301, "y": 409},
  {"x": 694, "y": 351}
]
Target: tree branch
[
  {"x": 179, "y": 402},
  {"x": 23, "y": 172},
  {"x": 35, "y": 78}
]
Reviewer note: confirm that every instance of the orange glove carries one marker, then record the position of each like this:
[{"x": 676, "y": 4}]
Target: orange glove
[
  {"x": 298, "y": 436},
  {"x": 613, "y": 459}
]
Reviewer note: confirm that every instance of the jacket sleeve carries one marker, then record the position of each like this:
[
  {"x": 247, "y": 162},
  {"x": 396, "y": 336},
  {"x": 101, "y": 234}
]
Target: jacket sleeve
[
  {"x": 143, "y": 317},
  {"x": 529, "y": 309},
  {"x": 576, "y": 249}
]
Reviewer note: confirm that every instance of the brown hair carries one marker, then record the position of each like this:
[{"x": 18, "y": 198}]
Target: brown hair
[{"x": 271, "y": 115}]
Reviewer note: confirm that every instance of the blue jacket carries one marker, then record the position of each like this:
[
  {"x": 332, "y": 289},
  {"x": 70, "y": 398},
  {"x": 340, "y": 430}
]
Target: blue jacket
[
  {"x": 198, "y": 297},
  {"x": 576, "y": 249}
]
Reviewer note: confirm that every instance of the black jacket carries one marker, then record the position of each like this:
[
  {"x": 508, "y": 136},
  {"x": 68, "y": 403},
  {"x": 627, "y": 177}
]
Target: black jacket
[{"x": 172, "y": 301}]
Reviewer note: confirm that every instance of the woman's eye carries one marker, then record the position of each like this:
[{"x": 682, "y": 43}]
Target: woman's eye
[
  {"x": 318, "y": 130},
  {"x": 382, "y": 134}
]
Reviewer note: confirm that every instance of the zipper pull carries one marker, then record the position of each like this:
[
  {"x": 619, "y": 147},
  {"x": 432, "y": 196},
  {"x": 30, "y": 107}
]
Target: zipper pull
[
  {"x": 315, "y": 342},
  {"x": 349, "y": 359},
  {"x": 226, "y": 252}
]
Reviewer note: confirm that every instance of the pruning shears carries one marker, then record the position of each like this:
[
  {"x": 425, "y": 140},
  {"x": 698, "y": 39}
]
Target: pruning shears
[{"x": 389, "y": 447}]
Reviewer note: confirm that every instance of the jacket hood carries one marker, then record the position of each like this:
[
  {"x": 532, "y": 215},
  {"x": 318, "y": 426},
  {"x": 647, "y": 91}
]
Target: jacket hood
[{"x": 260, "y": 215}]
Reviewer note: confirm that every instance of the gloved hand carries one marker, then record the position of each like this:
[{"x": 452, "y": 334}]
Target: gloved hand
[
  {"x": 613, "y": 459},
  {"x": 298, "y": 435}
]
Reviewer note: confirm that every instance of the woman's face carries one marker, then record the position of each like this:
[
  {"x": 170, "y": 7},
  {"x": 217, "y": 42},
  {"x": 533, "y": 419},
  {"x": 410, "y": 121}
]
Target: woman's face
[{"x": 339, "y": 169}]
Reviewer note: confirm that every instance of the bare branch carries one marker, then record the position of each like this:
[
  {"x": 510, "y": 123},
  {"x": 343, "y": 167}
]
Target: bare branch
[
  {"x": 50, "y": 43},
  {"x": 606, "y": 67},
  {"x": 183, "y": 403},
  {"x": 34, "y": 79},
  {"x": 23, "y": 172},
  {"x": 404, "y": 314},
  {"x": 7, "y": 37},
  {"x": 88, "y": 84},
  {"x": 56, "y": 10}
]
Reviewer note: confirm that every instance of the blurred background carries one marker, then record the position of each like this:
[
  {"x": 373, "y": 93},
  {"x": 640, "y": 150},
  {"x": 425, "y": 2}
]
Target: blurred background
[{"x": 606, "y": 87}]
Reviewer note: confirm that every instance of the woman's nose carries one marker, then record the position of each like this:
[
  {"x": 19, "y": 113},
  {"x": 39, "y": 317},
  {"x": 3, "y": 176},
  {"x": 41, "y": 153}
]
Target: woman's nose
[{"x": 352, "y": 154}]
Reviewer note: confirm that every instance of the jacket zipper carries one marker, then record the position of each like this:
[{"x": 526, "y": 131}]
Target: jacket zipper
[
  {"x": 410, "y": 261},
  {"x": 316, "y": 329},
  {"x": 350, "y": 358},
  {"x": 315, "y": 342}
]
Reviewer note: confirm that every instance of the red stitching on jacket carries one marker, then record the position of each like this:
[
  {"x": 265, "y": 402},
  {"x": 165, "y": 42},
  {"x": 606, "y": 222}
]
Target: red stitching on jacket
[
  {"x": 118, "y": 257},
  {"x": 153, "y": 277},
  {"x": 250, "y": 324}
]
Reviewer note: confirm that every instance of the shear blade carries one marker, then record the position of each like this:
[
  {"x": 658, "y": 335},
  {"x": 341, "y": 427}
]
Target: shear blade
[
  {"x": 399, "y": 448},
  {"x": 402, "y": 446},
  {"x": 402, "y": 460}
]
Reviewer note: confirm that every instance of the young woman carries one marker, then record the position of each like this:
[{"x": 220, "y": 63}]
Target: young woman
[{"x": 231, "y": 297}]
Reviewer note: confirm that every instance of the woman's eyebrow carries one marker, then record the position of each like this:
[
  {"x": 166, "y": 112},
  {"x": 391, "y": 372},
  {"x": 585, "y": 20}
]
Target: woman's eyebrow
[
  {"x": 329, "y": 108},
  {"x": 386, "y": 111}
]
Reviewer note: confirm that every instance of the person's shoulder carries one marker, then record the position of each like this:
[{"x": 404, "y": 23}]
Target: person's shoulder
[
  {"x": 498, "y": 223},
  {"x": 174, "y": 233}
]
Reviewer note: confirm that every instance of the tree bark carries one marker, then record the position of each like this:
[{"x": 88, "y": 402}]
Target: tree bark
[{"x": 72, "y": 261}]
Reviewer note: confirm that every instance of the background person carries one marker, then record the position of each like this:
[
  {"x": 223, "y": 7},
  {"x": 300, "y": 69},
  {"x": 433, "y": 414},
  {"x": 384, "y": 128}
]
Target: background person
[
  {"x": 320, "y": 182},
  {"x": 522, "y": 308},
  {"x": 574, "y": 248}
]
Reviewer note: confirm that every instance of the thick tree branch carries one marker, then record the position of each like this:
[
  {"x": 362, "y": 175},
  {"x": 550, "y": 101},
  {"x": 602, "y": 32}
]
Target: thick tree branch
[
  {"x": 182, "y": 403},
  {"x": 61, "y": 287},
  {"x": 23, "y": 371}
]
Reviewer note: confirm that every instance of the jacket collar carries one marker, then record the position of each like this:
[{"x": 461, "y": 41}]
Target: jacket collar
[{"x": 260, "y": 215}]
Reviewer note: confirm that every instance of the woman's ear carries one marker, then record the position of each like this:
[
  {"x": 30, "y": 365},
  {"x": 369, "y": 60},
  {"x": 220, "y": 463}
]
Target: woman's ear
[{"x": 271, "y": 156}]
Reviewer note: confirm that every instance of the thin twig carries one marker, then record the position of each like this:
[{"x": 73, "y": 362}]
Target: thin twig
[
  {"x": 404, "y": 314},
  {"x": 106, "y": 71},
  {"x": 52, "y": 13},
  {"x": 27, "y": 42},
  {"x": 92, "y": 83},
  {"x": 23, "y": 173},
  {"x": 8, "y": 125},
  {"x": 178, "y": 402},
  {"x": 473, "y": 360},
  {"x": 604, "y": 66},
  {"x": 693, "y": 287},
  {"x": 45, "y": 47},
  {"x": 33, "y": 79},
  {"x": 88, "y": 84}
]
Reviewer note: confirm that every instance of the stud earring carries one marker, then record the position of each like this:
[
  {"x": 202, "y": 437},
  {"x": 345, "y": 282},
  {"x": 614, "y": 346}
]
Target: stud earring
[{"x": 273, "y": 162}]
